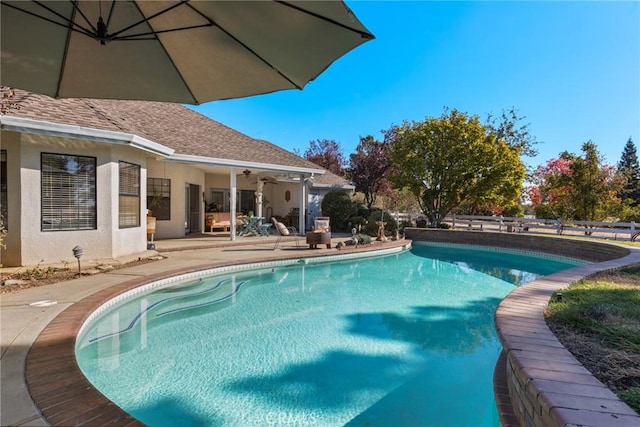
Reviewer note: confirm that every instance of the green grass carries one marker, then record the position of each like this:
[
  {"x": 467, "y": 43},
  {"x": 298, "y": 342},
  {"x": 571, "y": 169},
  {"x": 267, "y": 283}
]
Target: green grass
[{"x": 599, "y": 319}]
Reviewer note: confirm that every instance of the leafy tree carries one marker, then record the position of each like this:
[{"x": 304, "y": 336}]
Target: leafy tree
[
  {"x": 595, "y": 183},
  {"x": 576, "y": 187},
  {"x": 508, "y": 129},
  {"x": 368, "y": 168},
  {"x": 327, "y": 154},
  {"x": 454, "y": 159},
  {"x": 550, "y": 193},
  {"x": 401, "y": 200},
  {"x": 629, "y": 168}
]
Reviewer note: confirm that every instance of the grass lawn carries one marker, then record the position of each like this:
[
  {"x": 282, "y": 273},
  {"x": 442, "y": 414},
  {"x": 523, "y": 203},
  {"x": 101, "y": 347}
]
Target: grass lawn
[{"x": 598, "y": 320}]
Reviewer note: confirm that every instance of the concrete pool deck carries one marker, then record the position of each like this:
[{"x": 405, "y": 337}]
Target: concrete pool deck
[{"x": 38, "y": 362}]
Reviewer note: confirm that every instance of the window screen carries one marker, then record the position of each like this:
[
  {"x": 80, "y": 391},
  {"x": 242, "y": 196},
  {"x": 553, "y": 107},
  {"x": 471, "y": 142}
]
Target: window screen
[
  {"x": 68, "y": 192},
  {"x": 129, "y": 213}
]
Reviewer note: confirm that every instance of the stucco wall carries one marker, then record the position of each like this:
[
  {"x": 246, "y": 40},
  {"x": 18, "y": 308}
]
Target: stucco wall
[
  {"x": 125, "y": 241},
  {"x": 180, "y": 175},
  {"x": 28, "y": 244},
  {"x": 10, "y": 141}
]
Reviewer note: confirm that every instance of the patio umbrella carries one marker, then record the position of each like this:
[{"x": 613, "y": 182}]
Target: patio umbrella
[{"x": 177, "y": 51}]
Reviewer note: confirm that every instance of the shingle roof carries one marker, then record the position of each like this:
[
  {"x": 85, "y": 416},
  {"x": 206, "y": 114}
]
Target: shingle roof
[
  {"x": 330, "y": 179},
  {"x": 172, "y": 125}
]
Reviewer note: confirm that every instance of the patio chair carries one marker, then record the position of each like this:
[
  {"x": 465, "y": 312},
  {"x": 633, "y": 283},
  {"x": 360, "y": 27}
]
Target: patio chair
[{"x": 284, "y": 230}]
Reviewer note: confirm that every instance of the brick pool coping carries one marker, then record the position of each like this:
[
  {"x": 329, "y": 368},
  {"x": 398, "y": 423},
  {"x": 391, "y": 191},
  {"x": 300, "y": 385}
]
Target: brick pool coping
[
  {"x": 55, "y": 382},
  {"x": 537, "y": 382}
]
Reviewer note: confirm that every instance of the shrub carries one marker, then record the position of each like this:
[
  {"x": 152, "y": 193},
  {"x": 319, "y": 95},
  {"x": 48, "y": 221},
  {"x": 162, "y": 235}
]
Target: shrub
[
  {"x": 514, "y": 210},
  {"x": 371, "y": 228},
  {"x": 337, "y": 205},
  {"x": 356, "y": 221},
  {"x": 363, "y": 239}
]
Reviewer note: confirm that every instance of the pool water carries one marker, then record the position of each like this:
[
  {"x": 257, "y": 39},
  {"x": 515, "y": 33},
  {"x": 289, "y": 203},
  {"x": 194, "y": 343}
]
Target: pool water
[{"x": 403, "y": 339}]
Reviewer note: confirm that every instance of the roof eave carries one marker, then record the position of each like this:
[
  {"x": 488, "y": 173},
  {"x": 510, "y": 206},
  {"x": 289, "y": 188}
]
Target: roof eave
[
  {"x": 341, "y": 186},
  {"x": 40, "y": 127},
  {"x": 215, "y": 161}
]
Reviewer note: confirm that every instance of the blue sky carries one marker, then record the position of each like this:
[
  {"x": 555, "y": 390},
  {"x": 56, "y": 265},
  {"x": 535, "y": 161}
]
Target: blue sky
[{"x": 572, "y": 68}]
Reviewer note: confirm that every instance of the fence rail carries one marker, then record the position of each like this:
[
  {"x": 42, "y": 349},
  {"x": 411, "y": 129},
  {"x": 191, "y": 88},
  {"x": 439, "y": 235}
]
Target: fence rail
[{"x": 598, "y": 229}]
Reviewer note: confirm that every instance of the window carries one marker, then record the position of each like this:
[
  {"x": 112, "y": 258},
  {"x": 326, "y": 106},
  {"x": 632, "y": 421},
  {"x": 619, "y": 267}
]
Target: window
[
  {"x": 247, "y": 201},
  {"x": 129, "y": 214},
  {"x": 68, "y": 192},
  {"x": 218, "y": 202},
  {"x": 3, "y": 188},
  {"x": 159, "y": 197}
]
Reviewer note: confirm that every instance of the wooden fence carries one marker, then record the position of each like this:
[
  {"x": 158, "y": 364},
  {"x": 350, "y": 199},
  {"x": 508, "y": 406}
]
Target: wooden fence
[{"x": 598, "y": 229}]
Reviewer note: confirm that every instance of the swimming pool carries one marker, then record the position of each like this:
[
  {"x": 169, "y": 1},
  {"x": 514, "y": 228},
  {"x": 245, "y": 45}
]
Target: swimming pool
[{"x": 402, "y": 339}]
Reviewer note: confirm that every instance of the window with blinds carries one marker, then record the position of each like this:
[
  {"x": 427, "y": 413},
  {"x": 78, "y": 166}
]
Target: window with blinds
[
  {"x": 3, "y": 188},
  {"x": 129, "y": 213},
  {"x": 159, "y": 198},
  {"x": 68, "y": 192}
]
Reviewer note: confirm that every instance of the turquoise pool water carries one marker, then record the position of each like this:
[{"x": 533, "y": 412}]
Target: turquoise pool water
[{"x": 403, "y": 339}]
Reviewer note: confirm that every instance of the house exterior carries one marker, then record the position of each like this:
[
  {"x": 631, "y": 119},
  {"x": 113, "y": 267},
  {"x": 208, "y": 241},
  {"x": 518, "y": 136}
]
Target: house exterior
[{"x": 84, "y": 172}]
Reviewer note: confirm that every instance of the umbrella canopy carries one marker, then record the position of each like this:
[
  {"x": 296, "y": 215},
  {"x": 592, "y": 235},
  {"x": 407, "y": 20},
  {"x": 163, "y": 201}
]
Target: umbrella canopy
[{"x": 177, "y": 51}]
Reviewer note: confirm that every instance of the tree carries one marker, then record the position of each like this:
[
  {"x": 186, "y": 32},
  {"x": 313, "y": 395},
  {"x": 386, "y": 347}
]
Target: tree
[
  {"x": 596, "y": 184},
  {"x": 550, "y": 192},
  {"x": 576, "y": 187},
  {"x": 454, "y": 159},
  {"x": 368, "y": 168},
  {"x": 507, "y": 128},
  {"x": 327, "y": 154},
  {"x": 629, "y": 169}
]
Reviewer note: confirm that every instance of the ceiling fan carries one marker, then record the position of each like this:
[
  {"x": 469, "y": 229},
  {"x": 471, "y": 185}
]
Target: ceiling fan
[{"x": 266, "y": 180}]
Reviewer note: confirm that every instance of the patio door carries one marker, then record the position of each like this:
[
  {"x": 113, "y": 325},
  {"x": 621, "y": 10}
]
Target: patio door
[{"x": 192, "y": 208}]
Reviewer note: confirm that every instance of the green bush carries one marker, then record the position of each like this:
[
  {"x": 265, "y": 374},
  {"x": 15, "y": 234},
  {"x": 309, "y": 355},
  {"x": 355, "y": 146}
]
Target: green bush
[
  {"x": 361, "y": 210},
  {"x": 421, "y": 223},
  {"x": 514, "y": 210},
  {"x": 371, "y": 228},
  {"x": 337, "y": 205},
  {"x": 363, "y": 239},
  {"x": 356, "y": 221},
  {"x": 544, "y": 211}
]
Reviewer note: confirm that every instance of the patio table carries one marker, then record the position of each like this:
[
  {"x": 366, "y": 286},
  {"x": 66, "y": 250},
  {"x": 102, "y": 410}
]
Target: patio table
[
  {"x": 265, "y": 229},
  {"x": 250, "y": 225}
]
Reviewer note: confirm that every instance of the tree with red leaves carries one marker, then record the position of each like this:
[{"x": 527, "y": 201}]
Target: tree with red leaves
[
  {"x": 575, "y": 187},
  {"x": 368, "y": 170},
  {"x": 327, "y": 154}
]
